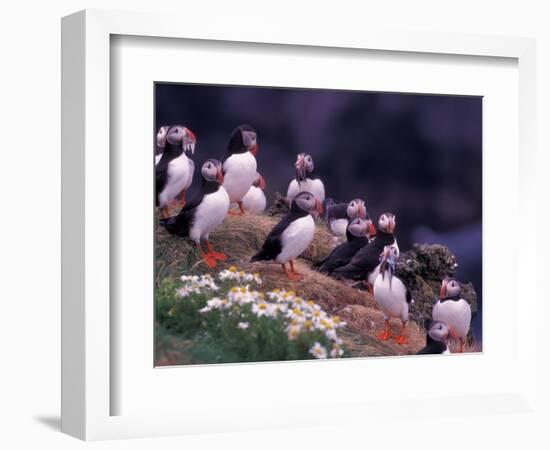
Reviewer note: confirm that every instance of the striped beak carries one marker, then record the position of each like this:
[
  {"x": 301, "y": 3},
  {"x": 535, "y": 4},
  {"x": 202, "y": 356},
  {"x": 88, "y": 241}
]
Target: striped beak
[
  {"x": 318, "y": 207},
  {"x": 372, "y": 229},
  {"x": 443, "y": 290},
  {"x": 219, "y": 176}
]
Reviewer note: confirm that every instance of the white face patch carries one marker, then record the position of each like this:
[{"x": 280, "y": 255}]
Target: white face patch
[
  {"x": 249, "y": 138},
  {"x": 161, "y": 137},
  {"x": 175, "y": 135}
]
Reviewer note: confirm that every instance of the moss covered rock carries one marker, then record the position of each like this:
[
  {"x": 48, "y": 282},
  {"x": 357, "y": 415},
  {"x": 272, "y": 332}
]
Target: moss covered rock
[{"x": 422, "y": 268}]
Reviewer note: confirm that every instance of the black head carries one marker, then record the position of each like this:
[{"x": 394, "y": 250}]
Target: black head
[
  {"x": 357, "y": 208},
  {"x": 306, "y": 202},
  {"x": 242, "y": 140},
  {"x": 387, "y": 223},
  {"x": 211, "y": 170},
  {"x": 177, "y": 136},
  {"x": 438, "y": 331},
  {"x": 450, "y": 288},
  {"x": 359, "y": 227}
]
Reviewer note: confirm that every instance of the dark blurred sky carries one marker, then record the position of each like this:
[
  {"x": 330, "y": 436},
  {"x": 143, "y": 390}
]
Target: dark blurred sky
[{"x": 418, "y": 156}]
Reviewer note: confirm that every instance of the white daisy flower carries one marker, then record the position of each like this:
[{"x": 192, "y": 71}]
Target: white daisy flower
[
  {"x": 243, "y": 325},
  {"x": 318, "y": 351}
]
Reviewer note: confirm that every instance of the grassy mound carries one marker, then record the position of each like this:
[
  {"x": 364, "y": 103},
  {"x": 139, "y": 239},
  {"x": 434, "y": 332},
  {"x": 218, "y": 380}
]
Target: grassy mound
[{"x": 240, "y": 237}]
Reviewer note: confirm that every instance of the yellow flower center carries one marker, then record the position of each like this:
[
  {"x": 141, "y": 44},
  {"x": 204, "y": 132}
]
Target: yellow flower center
[
  {"x": 297, "y": 312},
  {"x": 262, "y": 306},
  {"x": 243, "y": 290},
  {"x": 336, "y": 319},
  {"x": 234, "y": 289},
  {"x": 232, "y": 269}
]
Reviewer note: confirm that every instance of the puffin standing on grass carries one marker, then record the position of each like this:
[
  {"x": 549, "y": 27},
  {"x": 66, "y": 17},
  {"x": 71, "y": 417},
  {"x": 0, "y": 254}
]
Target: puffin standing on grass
[
  {"x": 306, "y": 180},
  {"x": 292, "y": 235},
  {"x": 338, "y": 215},
  {"x": 203, "y": 213},
  {"x": 240, "y": 166},
  {"x": 453, "y": 311},
  {"x": 437, "y": 338},
  {"x": 358, "y": 234},
  {"x": 175, "y": 168},
  {"x": 391, "y": 295},
  {"x": 365, "y": 264},
  {"x": 254, "y": 201}
]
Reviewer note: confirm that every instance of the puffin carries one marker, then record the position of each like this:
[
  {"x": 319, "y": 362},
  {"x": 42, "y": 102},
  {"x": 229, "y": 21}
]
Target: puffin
[
  {"x": 391, "y": 295},
  {"x": 203, "y": 213},
  {"x": 305, "y": 180},
  {"x": 365, "y": 264},
  {"x": 161, "y": 143},
  {"x": 339, "y": 214},
  {"x": 254, "y": 201},
  {"x": 292, "y": 235},
  {"x": 437, "y": 338},
  {"x": 239, "y": 167},
  {"x": 175, "y": 168},
  {"x": 357, "y": 233},
  {"x": 453, "y": 311}
]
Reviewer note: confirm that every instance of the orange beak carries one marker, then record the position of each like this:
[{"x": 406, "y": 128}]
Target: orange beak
[
  {"x": 362, "y": 211},
  {"x": 318, "y": 206},
  {"x": 219, "y": 177},
  {"x": 372, "y": 230},
  {"x": 191, "y": 135},
  {"x": 262, "y": 182},
  {"x": 254, "y": 150},
  {"x": 443, "y": 291}
]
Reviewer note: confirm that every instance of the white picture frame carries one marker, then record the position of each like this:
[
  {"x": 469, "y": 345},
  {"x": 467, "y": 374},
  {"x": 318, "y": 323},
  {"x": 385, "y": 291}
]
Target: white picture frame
[{"x": 87, "y": 385}]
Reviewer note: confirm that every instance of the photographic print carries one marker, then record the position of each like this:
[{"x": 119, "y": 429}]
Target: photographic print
[{"x": 297, "y": 223}]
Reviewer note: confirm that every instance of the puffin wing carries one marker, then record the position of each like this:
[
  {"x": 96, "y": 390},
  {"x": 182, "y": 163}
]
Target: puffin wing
[
  {"x": 339, "y": 257},
  {"x": 362, "y": 263},
  {"x": 161, "y": 175},
  {"x": 180, "y": 224},
  {"x": 272, "y": 245}
]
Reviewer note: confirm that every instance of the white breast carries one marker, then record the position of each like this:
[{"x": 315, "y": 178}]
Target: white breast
[
  {"x": 239, "y": 174},
  {"x": 210, "y": 213},
  {"x": 391, "y": 298},
  {"x": 316, "y": 187},
  {"x": 339, "y": 226},
  {"x": 296, "y": 238},
  {"x": 371, "y": 278},
  {"x": 254, "y": 200},
  {"x": 457, "y": 315},
  {"x": 179, "y": 178}
]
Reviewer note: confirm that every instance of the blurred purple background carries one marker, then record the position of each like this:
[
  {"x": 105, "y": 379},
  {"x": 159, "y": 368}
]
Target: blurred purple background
[{"x": 418, "y": 156}]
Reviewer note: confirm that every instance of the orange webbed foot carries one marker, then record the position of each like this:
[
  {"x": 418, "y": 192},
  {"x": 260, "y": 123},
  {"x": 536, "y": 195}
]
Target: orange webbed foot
[
  {"x": 209, "y": 260},
  {"x": 294, "y": 276},
  {"x": 219, "y": 256},
  {"x": 401, "y": 339},
  {"x": 384, "y": 335}
]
